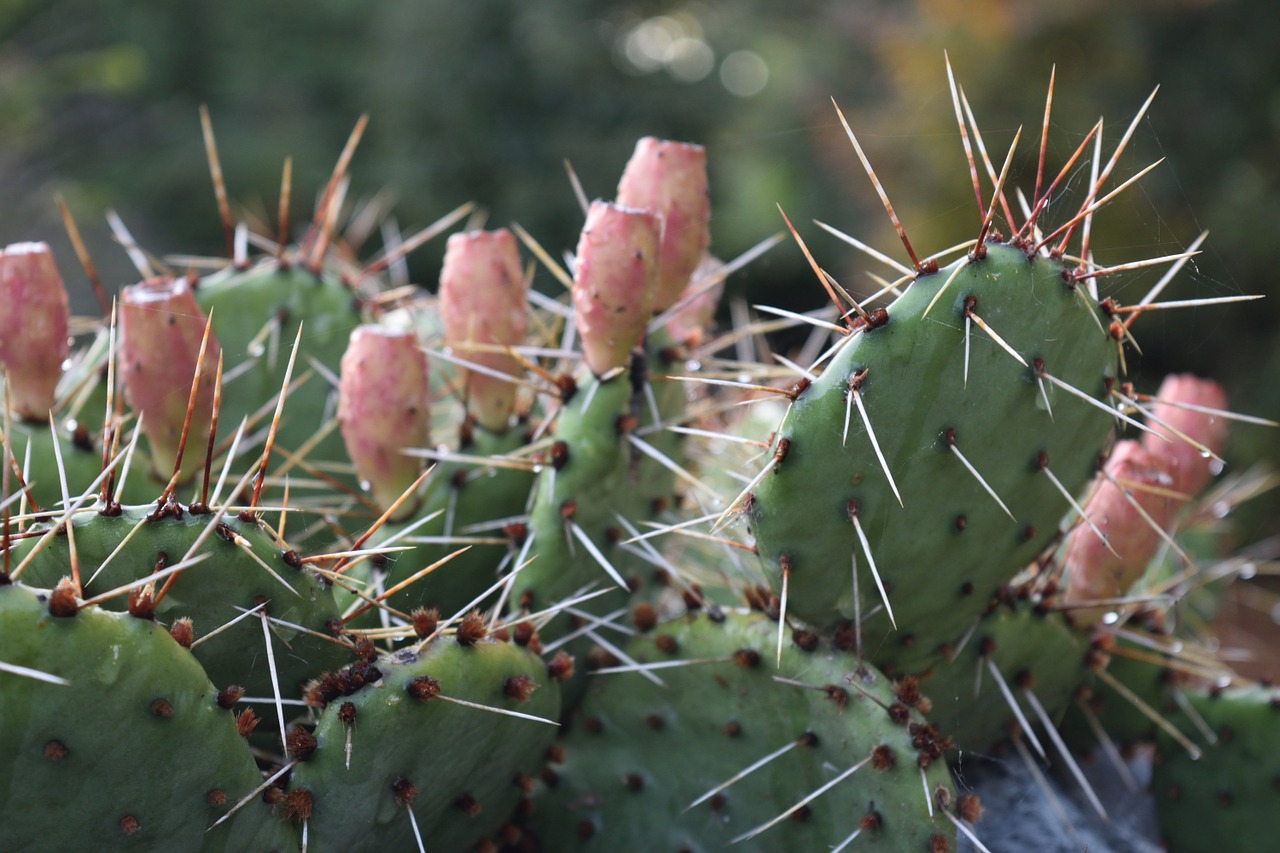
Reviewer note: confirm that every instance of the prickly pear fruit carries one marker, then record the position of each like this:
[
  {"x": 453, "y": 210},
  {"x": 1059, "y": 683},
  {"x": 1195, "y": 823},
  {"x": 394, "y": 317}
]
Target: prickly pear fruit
[
  {"x": 432, "y": 748},
  {"x": 162, "y": 336},
  {"x": 614, "y": 282},
  {"x": 936, "y": 453},
  {"x": 113, "y": 738},
  {"x": 482, "y": 304},
  {"x": 33, "y": 328},
  {"x": 728, "y": 747},
  {"x": 669, "y": 179},
  {"x": 383, "y": 408}
]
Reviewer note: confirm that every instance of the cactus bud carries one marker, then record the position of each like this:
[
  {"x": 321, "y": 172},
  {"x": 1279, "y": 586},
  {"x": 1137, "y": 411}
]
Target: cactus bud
[
  {"x": 1095, "y": 571},
  {"x": 383, "y": 407},
  {"x": 161, "y": 328},
  {"x": 1191, "y": 469},
  {"x": 669, "y": 179},
  {"x": 614, "y": 282},
  {"x": 33, "y": 327},
  {"x": 482, "y": 301}
]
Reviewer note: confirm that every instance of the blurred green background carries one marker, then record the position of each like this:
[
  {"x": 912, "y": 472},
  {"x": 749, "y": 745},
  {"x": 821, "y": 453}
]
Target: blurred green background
[{"x": 483, "y": 101}]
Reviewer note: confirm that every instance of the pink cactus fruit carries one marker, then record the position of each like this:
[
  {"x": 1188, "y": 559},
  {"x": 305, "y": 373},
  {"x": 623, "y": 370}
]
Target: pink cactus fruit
[
  {"x": 161, "y": 328},
  {"x": 1096, "y": 571},
  {"x": 482, "y": 302},
  {"x": 614, "y": 282},
  {"x": 383, "y": 408},
  {"x": 33, "y": 327},
  {"x": 669, "y": 179},
  {"x": 1192, "y": 469},
  {"x": 698, "y": 303}
]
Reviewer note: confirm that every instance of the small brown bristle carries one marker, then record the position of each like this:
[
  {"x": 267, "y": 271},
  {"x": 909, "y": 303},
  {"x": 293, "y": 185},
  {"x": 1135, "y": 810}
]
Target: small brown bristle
[
  {"x": 216, "y": 797},
  {"x": 347, "y": 713},
  {"x": 62, "y": 601},
  {"x": 524, "y": 782},
  {"x": 55, "y": 750},
  {"x": 467, "y": 804},
  {"x": 969, "y": 807},
  {"x": 633, "y": 782},
  {"x": 747, "y": 658},
  {"x": 666, "y": 644},
  {"x": 425, "y": 621},
  {"x": 404, "y": 791},
  {"x": 808, "y": 739},
  {"x": 274, "y": 795},
  {"x": 246, "y": 722},
  {"x": 472, "y": 629},
  {"x": 585, "y": 829},
  {"x": 182, "y": 632},
  {"x": 524, "y": 633},
  {"x": 601, "y": 658},
  {"x": 568, "y": 509},
  {"x": 364, "y": 649},
  {"x": 870, "y": 821},
  {"x": 560, "y": 667},
  {"x": 519, "y": 687},
  {"x": 838, "y": 695},
  {"x": 300, "y": 743},
  {"x": 908, "y": 691},
  {"x": 845, "y": 636},
  {"x": 733, "y": 728},
  {"x": 229, "y": 696},
  {"x": 141, "y": 604},
  {"x": 882, "y": 758},
  {"x": 298, "y": 805},
  {"x": 805, "y": 639},
  {"x": 644, "y": 616},
  {"x": 161, "y": 708},
  {"x": 899, "y": 714},
  {"x": 129, "y": 825},
  {"x": 655, "y": 722},
  {"x": 939, "y": 843},
  {"x": 423, "y": 688}
]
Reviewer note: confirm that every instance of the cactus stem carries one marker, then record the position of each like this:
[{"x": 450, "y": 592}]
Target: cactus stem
[
  {"x": 808, "y": 798},
  {"x": 746, "y": 771},
  {"x": 884, "y": 197}
]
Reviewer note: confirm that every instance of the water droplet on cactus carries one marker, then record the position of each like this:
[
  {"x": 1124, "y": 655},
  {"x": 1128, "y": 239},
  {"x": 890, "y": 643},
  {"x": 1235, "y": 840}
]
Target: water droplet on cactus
[
  {"x": 1248, "y": 571},
  {"x": 1110, "y": 618}
]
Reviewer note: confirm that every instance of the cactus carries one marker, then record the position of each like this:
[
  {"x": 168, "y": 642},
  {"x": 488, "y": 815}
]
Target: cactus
[{"x": 959, "y": 543}]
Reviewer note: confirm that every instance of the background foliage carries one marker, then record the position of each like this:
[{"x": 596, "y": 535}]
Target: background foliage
[{"x": 485, "y": 100}]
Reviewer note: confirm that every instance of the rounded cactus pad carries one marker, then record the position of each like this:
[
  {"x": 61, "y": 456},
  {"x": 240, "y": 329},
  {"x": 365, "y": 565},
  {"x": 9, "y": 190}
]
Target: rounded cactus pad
[
  {"x": 113, "y": 738},
  {"x": 433, "y": 746},
  {"x": 33, "y": 328},
  {"x": 728, "y": 747},
  {"x": 935, "y": 454}
]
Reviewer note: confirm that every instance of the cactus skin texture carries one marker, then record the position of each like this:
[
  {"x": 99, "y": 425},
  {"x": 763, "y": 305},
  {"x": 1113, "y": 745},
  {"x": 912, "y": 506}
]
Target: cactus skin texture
[
  {"x": 949, "y": 546},
  {"x": 627, "y": 757},
  {"x": 135, "y": 699},
  {"x": 1229, "y": 795},
  {"x": 210, "y": 593},
  {"x": 411, "y": 747}
]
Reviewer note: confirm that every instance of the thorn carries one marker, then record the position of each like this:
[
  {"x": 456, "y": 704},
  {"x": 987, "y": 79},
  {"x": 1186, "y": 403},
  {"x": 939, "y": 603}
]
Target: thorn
[
  {"x": 34, "y": 674},
  {"x": 1079, "y": 510},
  {"x": 1065, "y": 753},
  {"x": 541, "y": 254},
  {"x": 582, "y": 537},
  {"x": 964, "y": 262},
  {"x": 215, "y": 172},
  {"x": 275, "y": 419},
  {"x": 998, "y": 194},
  {"x": 323, "y": 218},
  {"x": 1149, "y": 712},
  {"x": 884, "y": 198},
  {"x": 578, "y": 192},
  {"x": 1076, "y": 392},
  {"x": 1029, "y": 227},
  {"x": 986, "y": 160},
  {"x": 871, "y": 565},
  {"x": 785, "y": 560},
  {"x": 950, "y": 439},
  {"x": 855, "y": 384},
  {"x": 125, "y": 239},
  {"x": 1015, "y": 707},
  {"x": 808, "y": 798},
  {"x": 404, "y": 249},
  {"x": 1082, "y": 275},
  {"x": 822, "y": 276},
  {"x": 167, "y": 495},
  {"x": 1087, "y": 211},
  {"x": 1109, "y": 747},
  {"x": 745, "y": 772},
  {"x": 897, "y": 267},
  {"x": 1169, "y": 274},
  {"x": 82, "y": 253},
  {"x": 493, "y": 710},
  {"x": 282, "y": 211},
  {"x": 1044, "y": 131},
  {"x": 964, "y": 137},
  {"x": 213, "y": 429}
]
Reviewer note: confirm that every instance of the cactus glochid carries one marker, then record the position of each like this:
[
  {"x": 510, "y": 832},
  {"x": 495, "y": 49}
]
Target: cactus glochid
[{"x": 348, "y": 566}]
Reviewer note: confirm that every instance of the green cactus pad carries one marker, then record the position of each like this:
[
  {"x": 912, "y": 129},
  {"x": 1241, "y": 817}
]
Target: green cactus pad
[
  {"x": 949, "y": 546},
  {"x": 134, "y": 753},
  {"x": 640, "y": 754},
  {"x": 244, "y": 568},
  {"x": 457, "y": 767},
  {"x": 1227, "y": 799}
]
